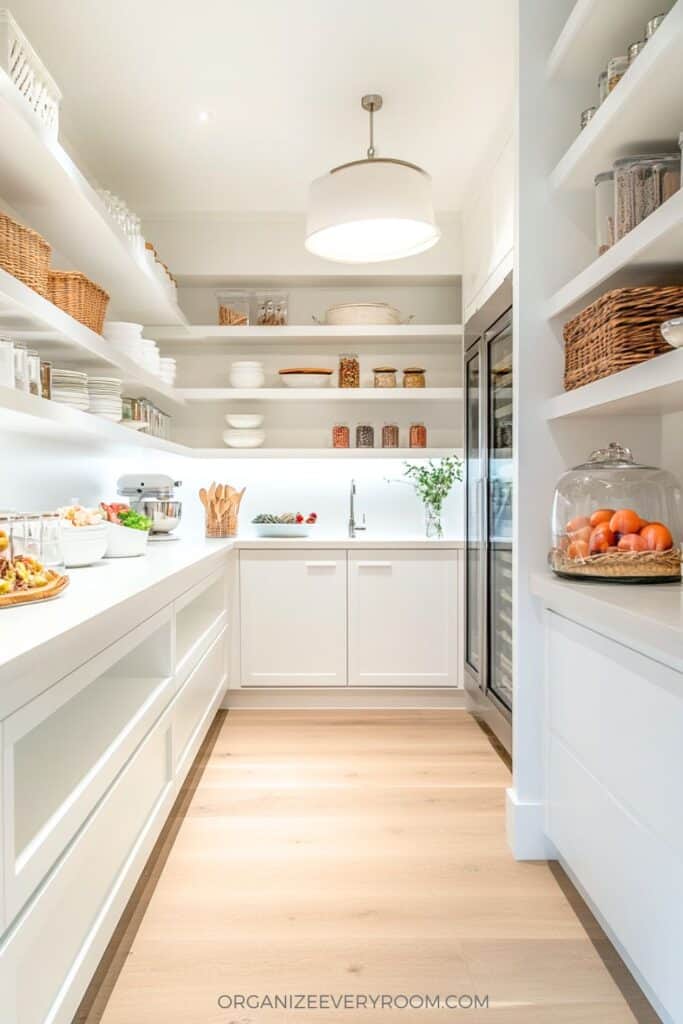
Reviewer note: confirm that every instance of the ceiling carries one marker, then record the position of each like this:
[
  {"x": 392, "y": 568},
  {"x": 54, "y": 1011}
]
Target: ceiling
[{"x": 281, "y": 84}]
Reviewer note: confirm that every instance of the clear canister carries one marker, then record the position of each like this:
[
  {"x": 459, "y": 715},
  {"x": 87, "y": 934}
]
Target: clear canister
[
  {"x": 365, "y": 436},
  {"x": 641, "y": 184},
  {"x": 390, "y": 435},
  {"x": 341, "y": 436},
  {"x": 46, "y": 379},
  {"x": 6, "y": 363},
  {"x": 21, "y": 367},
  {"x": 587, "y": 115},
  {"x": 349, "y": 370},
  {"x": 417, "y": 437},
  {"x": 653, "y": 24},
  {"x": 602, "y": 87},
  {"x": 634, "y": 49},
  {"x": 604, "y": 211},
  {"x": 33, "y": 366},
  {"x": 384, "y": 376},
  {"x": 616, "y": 69}
]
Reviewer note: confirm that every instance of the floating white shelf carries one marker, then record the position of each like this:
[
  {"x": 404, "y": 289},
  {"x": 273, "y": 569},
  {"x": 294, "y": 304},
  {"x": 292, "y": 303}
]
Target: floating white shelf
[
  {"x": 33, "y": 320},
  {"x": 401, "y": 333},
  {"x": 41, "y": 182},
  {"x": 593, "y": 32},
  {"x": 27, "y": 414},
  {"x": 656, "y": 243},
  {"x": 328, "y": 394},
  {"x": 650, "y": 388},
  {"x": 642, "y": 112}
]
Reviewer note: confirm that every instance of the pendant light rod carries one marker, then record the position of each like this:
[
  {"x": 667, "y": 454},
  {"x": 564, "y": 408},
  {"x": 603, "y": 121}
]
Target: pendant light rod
[{"x": 371, "y": 102}]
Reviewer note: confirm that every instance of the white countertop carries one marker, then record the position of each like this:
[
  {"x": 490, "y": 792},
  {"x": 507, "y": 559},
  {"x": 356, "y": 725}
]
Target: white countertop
[
  {"x": 645, "y": 617},
  {"x": 348, "y": 543}
]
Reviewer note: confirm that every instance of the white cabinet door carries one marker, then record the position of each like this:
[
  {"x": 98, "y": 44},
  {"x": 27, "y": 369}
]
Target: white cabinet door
[
  {"x": 403, "y": 618},
  {"x": 293, "y": 618}
]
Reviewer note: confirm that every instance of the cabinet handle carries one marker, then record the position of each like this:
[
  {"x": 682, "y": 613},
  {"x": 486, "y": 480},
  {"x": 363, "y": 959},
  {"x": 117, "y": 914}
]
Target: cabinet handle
[
  {"x": 320, "y": 565},
  {"x": 375, "y": 565}
]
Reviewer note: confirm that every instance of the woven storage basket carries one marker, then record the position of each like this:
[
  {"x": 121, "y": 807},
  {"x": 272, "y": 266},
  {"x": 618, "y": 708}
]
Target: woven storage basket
[
  {"x": 78, "y": 296},
  {"x": 618, "y": 330},
  {"x": 24, "y": 254}
]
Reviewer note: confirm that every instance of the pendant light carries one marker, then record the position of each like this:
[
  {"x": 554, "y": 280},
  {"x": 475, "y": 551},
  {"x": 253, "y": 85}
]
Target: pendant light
[{"x": 371, "y": 210}]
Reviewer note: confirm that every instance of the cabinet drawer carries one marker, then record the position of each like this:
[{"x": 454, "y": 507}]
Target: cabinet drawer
[
  {"x": 621, "y": 714},
  {"x": 403, "y": 618},
  {"x": 293, "y": 618},
  {"x": 63, "y": 749},
  {"x": 197, "y": 696},
  {"x": 200, "y": 615},
  {"x": 62, "y": 930}
]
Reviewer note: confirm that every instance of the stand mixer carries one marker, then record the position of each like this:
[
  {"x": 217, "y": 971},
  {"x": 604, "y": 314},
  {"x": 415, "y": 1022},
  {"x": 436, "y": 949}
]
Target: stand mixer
[{"x": 153, "y": 496}]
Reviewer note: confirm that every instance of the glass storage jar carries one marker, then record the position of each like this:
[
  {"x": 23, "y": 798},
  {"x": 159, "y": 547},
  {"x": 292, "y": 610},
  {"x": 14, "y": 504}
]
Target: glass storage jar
[
  {"x": 634, "y": 49},
  {"x": 341, "y": 436},
  {"x": 390, "y": 435},
  {"x": 652, "y": 25},
  {"x": 46, "y": 379},
  {"x": 414, "y": 377},
  {"x": 272, "y": 309},
  {"x": 616, "y": 69},
  {"x": 233, "y": 308},
  {"x": 349, "y": 370},
  {"x": 617, "y": 521},
  {"x": 641, "y": 184},
  {"x": 6, "y": 362},
  {"x": 365, "y": 436},
  {"x": 33, "y": 366},
  {"x": 604, "y": 211},
  {"x": 602, "y": 87},
  {"x": 21, "y": 367},
  {"x": 587, "y": 115},
  {"x": 417, "y": 435},
  {"x": 385, "y": 376}
]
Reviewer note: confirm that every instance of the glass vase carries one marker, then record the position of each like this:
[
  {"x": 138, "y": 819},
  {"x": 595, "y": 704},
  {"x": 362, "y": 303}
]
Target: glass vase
[{"x": 433, "y": 527}]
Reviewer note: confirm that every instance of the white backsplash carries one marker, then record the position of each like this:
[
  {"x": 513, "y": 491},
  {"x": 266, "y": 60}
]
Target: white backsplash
[{"x": 38, "y": 476}]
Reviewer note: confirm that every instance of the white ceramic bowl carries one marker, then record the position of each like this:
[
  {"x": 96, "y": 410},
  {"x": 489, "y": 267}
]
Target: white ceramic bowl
[
  {"x": 362, "y": 313},
  {"x": 283, "y": 529},
  {"x": 247, "y": 375},
  {"x": 306, "y": 380},
  {"x": 244, "y": 420},
  {"x": 672, "y": 331},
  {"x": 121, "y": 330},
  {"x": 83, "y": 545},
  {"x": 122, "y": 542},
  {"x": 244, "y": 438}
]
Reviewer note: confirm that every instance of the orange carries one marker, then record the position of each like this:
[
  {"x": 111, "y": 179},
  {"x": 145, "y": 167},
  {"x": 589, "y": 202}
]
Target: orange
[
  {"x": 632, "y": 542},
  {"x": 657, "y": 537},
  {"x": 601, "y": 539},
  {"x": 578, "y": 549},
  {"x": 576, "y": 524},
  {"x": 625, "y": 520},
  {"x": 601, "y": 515}
]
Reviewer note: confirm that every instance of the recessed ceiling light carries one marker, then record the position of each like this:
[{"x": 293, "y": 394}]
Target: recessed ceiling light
[{"x": 204, "y": 116}]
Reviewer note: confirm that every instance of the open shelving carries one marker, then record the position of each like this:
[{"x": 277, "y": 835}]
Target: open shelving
[
  {"x": 643, "y": 110},
  {"x": 31, "y": 319},
  {"x": 403, "y": 334},
  {"x": 45, "y": 187},
  {"x": 326, "y": 395}
]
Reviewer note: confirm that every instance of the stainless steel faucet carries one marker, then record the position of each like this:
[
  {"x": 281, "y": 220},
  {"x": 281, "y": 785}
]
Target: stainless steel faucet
[{"x": 353, "y": 526}]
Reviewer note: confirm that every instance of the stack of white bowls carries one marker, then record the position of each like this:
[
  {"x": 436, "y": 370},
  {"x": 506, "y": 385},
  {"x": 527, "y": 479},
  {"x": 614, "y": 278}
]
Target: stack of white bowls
[
  {"x": 167, "y": 370},
  {"x": 105, "y": 398},
  {"x": 246, "y": 430},
  {"x": 127, "y": 339},
  {"x": 247, "y": 374}
]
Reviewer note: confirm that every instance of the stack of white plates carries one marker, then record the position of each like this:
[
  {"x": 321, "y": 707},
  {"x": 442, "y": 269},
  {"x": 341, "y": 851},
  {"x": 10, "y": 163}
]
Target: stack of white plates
[
  {"x": 149, "y": 355},
  {"x": 105, "y": 397},
  {"x": 70, "y": 387},
  {"x": 167, "y": 370}
]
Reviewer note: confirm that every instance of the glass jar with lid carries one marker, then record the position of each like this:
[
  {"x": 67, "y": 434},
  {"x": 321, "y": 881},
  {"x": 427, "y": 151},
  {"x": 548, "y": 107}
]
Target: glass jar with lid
[
  {"x": 341, "y": 435},
  {"x": 602, "y": 87},
  {"x": 33, "y": 368},
  {"x": 365, "y": 435},
  {"x": 616, "y": 69},
  {"x": 6, "y": 362},
  {"x": 390, "y": 434},
  {"x": 641, "y": 184},
  {"x": 349, "y": 370},
  {"x": 617, "y": 521},
  {"x": 604, "y": 211},
  {"x": 417, "y": 435},
  {"x": 414, "y": 377},
  {"x": 384, "y": 376}
]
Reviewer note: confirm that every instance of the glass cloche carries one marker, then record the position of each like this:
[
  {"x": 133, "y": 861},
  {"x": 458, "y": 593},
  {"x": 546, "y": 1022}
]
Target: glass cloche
[{"x": 616, "y": 520}]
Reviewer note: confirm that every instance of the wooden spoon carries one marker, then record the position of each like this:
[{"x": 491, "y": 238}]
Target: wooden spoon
[{"x": 203, "y": 497}]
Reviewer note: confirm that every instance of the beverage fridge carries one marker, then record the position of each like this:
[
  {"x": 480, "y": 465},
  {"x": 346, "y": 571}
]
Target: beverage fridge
[{"x": 488, "y": 519}]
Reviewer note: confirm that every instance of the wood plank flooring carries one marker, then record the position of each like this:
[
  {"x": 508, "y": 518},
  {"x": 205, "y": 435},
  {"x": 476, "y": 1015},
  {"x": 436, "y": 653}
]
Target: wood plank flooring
[{"x": 353, "y": 852}]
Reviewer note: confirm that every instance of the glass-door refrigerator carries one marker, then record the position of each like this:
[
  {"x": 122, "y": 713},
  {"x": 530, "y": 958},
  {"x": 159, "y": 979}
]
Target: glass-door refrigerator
[{"x": 488, "y": 516}]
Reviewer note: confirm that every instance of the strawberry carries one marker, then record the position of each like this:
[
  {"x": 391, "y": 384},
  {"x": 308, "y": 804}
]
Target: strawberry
[{"x": 299, "y": 517}]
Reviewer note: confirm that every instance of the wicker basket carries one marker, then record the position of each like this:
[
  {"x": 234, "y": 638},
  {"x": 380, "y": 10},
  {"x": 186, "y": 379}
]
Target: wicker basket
[
  {"x": 618, "y": 330},
  {"x": 24, "y": 254},
  {"x": 78, "y": 296},
  {"x": 621, "y": 566}
]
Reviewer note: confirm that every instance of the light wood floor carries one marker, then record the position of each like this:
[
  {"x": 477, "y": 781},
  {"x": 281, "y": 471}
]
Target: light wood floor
[{"x": 353, "y": 852}]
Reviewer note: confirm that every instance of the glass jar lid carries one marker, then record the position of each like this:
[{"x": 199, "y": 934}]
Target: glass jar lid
[
  {"x": 604, "y": 176},
  {"x": 384, "y": 369},
  {"x": 414, "y": 369}
]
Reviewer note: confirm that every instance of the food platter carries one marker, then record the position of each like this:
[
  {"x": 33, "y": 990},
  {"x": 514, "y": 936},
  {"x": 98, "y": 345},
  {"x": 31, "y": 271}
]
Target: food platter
[{"x": 52, "y": 589}]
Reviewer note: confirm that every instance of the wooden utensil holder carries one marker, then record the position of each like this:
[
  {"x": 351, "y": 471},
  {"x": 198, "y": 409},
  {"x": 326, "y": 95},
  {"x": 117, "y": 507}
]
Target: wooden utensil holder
[{"x": 221, "y": 510}]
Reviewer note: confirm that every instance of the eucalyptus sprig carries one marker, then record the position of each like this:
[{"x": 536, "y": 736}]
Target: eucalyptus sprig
[{"x": 433, "y": 482}]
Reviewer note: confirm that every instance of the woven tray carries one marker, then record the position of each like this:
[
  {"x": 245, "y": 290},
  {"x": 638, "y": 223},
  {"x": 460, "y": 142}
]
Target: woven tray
[
  {"x": 52, "y": 589},
  {"x": 618, "y": 330},
  {"x": 622, "y": 565},
  {"x": 24, "y": 254},
  {"x": 78, "y": 296}
]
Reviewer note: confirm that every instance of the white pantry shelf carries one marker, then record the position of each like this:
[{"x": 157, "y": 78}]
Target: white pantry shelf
[
  {"x": 42, "y": 183},
  {"x": 21, "y": 413},
  {"x": 656, "y": 244},
  {"x": 650, "y": 388},
  {"x": 400, "y": 333},
  {"x": 595, "y": 31},
  {"x": 642, "y": 114},
  {"x": 328, "y": 394},
  {"x": 29, "y": 318}
]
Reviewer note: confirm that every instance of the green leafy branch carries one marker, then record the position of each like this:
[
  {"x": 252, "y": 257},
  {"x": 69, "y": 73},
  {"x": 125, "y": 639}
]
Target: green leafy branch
[{"x": 433, "y": 482}]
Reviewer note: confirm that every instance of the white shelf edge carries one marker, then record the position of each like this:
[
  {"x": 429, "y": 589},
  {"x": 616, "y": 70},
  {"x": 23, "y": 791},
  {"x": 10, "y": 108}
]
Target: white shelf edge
[
  {"x": 570, "y": 31},
  {"x": 623, "y": 255},
  {"x": 326, "y": 453},
  {"x": 650, "y": 388},
  {"x": 668, "y": 35},
  {"x": 308, "y": 332},
  {"x": 328, "y": 394}
]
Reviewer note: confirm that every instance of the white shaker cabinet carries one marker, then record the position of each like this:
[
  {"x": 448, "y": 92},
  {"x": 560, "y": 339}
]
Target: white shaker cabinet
[
  {"x": 403, "y": 618},
  {"x": 293, "y": 618}
]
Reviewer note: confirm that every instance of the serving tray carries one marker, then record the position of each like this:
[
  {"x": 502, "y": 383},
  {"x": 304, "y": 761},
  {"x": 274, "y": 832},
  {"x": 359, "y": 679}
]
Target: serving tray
[{"x": 52, "y": 589}]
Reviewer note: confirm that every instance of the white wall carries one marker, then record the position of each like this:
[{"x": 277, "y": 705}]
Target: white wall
[{"x": 42, "y": 476}]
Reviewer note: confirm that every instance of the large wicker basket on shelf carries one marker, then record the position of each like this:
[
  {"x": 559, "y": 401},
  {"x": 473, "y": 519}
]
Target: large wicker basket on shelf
[
  {"x": 78, "y": 296},
  {"x": 24, "y": 254},
  {"x": 618, "y": 330}
]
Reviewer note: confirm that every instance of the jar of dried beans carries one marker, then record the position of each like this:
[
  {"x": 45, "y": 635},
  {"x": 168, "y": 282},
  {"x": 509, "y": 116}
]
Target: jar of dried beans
[
  {"x": 341, "y": 436},
  {"x": 390, "y": 435},
  {"x": 418, "y": 435},
  {"x": 385, "y": 376},
  {"x": 365, "y": 436},
  {"x": 349, "y": 371}
]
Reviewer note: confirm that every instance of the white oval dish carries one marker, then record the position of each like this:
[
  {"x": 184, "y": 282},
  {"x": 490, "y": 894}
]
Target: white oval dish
[
  {"x": 306, "y": 380},
  {"x": 244, "y": 420},
  {"x": 283, "y": 529}
]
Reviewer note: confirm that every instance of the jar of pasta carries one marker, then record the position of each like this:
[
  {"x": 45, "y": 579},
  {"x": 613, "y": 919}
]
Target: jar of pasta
[
  {"x": 349, "y": 371},
  {"x": 414, "y": 377}
]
